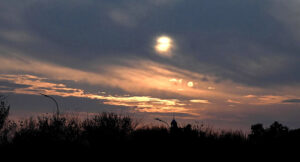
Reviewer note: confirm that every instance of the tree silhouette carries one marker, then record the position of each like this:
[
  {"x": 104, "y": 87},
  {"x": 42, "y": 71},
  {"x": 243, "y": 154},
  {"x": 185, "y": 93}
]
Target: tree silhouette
[{"x": 4, "y": 111}]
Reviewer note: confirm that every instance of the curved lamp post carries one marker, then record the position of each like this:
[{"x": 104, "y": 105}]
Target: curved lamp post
[
  {"x": 162, "y": 121},
  {"x": 57, "y": 109}
]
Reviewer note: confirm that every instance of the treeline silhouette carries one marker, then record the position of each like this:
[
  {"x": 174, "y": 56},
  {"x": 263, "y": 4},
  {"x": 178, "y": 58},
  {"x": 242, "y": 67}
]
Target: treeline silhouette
[{"x": 109, "y": 131}]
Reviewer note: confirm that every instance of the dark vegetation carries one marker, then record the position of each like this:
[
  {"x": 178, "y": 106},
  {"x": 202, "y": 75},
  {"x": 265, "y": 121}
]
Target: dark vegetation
[{"x": 112, "y": 132}]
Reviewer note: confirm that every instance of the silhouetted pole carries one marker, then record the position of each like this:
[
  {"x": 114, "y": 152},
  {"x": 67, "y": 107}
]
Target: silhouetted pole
[{"x": 57, "y": 109}]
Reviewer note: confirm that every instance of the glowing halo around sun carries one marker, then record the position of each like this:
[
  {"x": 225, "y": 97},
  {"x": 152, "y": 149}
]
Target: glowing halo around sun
[{"x": 164, "y": 46}]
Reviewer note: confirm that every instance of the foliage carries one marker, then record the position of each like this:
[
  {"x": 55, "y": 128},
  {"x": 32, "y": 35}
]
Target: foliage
[{"x": 4, "y": 111}]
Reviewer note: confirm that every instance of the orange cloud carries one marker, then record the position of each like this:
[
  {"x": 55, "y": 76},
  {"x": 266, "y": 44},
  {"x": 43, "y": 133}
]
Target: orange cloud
[
  {"x": 233, "y": 101},
  {"x": 200, "y": 101},
  {"x": 142, "y": 78},
  {"x": 36, "y": 85},
  {"x": 153, "y": 87}
]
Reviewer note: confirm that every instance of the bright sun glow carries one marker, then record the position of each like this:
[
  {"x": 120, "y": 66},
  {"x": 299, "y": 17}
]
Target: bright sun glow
[{"x": 163, "y": 45}]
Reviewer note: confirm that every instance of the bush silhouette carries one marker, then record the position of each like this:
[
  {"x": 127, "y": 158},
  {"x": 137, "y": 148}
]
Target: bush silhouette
[
  {"x": 257, "y": 133},
  {"x": 107, "y": 128}
]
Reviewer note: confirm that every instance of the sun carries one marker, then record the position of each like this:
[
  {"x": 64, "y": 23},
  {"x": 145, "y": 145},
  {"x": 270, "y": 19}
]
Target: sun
[{"x": 163, "y": 45}]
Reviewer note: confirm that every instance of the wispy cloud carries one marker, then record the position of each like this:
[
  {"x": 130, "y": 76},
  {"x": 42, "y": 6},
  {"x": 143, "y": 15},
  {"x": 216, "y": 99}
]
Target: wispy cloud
[
  {"x": 142, "y": 77},
  {"x": 287, "y": 12},
  {"x": 131, "y": 12},
  {"x": 35, "y": 85}
]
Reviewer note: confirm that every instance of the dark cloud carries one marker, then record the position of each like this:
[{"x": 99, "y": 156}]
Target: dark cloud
[
  {"x": 235, "y": 40},
  {"x": 291, "y": 101},
  {"x": 5, "y": 85}
]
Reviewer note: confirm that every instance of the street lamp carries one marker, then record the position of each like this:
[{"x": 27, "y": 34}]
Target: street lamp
[
  {"x": 57, "y": 109},
  {"x": 162, "y": 121}
]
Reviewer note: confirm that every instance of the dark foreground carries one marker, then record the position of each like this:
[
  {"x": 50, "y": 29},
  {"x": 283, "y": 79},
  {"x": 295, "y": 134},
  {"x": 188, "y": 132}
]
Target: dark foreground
[{"x": 112, "y": 133}]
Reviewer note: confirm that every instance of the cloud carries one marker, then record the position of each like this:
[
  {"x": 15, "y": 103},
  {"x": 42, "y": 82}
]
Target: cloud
[
  {"x": 33, "y": 85},
  {"x": 143, "y": 77},
  {"x": 122, "y": 18},
  {"x": 270, "y": 99},
  {"x": 129, "y": 13},
  {"x": 17, "y": 36},
  {"x": 287, "y": 13},
  {"x": 291, "y": 101},
  {"x": 233, "y": 101},
  {"x": 233, "y": 40},
  {"x": 210, "y": 112},
  {"x": 200, "y": 101},
  {"x": 250, "y": 96},
  {"x": 246, "y": 51}
]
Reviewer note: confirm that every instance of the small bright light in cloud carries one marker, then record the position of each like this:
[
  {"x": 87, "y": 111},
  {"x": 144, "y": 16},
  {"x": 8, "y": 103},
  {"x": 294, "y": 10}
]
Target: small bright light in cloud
[
  {"x": 173, "y": 80},
  {"x": 190, "y": 84},
  {"x": 233, "y": 101},
  {"x": 250, "y": 96},
  {"x": 164, "y": 45},
  {"x": 200, "y": 101},
  {"x": 211, "y": 88}
]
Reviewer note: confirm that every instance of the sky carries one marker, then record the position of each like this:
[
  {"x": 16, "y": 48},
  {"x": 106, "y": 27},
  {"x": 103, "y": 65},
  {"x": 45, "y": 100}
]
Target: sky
[{"x": 224, "y": 63}]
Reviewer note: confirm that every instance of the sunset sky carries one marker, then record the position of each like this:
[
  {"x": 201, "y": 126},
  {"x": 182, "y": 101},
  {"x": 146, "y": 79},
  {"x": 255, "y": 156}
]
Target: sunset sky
[{"x": 226, "y": 63}]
